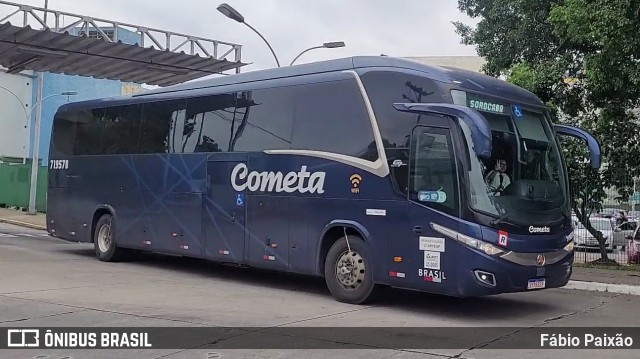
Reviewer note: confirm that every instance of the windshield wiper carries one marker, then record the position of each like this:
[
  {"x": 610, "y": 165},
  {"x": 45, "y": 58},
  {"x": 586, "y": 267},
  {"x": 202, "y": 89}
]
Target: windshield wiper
[{"x": 504, "y": 216}]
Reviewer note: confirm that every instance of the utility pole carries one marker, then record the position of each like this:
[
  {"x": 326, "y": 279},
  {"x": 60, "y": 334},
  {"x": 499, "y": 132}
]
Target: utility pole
[
  {"x": 36, "y": 147},
  {"x": 35, "y": 161}
]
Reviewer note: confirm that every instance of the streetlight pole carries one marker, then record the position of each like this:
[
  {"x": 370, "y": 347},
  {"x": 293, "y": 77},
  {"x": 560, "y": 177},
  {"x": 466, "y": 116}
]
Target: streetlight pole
[
  {"x": 24, "y": 107},
  {"x": 36, "y": 141},
  {"x": 233, "y": 14},
  {"x": 26, "y": 117},
  {"x": 326, "y": 45}
]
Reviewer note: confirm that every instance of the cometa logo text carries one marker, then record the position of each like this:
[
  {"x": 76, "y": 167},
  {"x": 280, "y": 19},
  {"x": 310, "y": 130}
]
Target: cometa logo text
[
  {"x": 545, "y": 229},
  {"x": 302, "y": 181}
]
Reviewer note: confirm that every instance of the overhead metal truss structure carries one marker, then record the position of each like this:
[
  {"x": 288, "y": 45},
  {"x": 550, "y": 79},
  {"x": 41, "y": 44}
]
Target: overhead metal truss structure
[{"x": 48, "y": 40}]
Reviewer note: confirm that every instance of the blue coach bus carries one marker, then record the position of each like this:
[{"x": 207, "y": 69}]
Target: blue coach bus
[{"x": 369, "y": 171}]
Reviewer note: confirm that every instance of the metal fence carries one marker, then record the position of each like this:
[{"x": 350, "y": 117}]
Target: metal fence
[{"x": 612, "y": 208}]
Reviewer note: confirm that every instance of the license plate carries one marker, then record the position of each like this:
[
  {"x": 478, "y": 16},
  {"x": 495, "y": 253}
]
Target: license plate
[{"x": 536, "y": 283}]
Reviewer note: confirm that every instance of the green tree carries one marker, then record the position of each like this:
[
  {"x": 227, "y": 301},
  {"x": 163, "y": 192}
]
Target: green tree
[{"x": 582, "y": 58}]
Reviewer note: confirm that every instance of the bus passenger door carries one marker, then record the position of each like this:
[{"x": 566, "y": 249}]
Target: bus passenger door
[
  {"x": 433, "y": 194},
  {"x": 224, "y": 213}
]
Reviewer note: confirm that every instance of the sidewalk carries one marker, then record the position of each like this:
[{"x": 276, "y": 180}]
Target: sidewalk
[
  {"x": 603, "y": 280},
  {"x": 19, "y": 218},
  {"x": 612, "y": 276}
]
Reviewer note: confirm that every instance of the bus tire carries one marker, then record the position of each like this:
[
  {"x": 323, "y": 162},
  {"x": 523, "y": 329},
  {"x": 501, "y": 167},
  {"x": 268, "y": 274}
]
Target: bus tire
[
  {"x": 104, "y": 241},
  {"x": 349, "y": 276}
]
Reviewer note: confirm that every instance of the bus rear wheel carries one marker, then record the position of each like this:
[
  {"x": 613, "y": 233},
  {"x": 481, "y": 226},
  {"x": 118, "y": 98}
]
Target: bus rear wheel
[
  {"x": 104, "y": 241},
  {"x": 348, "y": 271}
]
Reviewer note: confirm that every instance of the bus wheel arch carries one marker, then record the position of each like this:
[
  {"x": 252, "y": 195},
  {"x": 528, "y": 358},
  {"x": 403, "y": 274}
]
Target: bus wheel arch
[
  {"x": 97, "y": 214},
  {"x": 345, "y": 259},
  {"x": 333, "y": 232}
]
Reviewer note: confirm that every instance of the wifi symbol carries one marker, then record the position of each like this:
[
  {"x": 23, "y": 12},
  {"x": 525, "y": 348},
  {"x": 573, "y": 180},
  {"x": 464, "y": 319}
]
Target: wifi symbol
[{"x": 355, "y": 179}]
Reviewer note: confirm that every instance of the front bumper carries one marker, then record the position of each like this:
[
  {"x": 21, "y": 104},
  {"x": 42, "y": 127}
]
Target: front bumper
[{"x": 509, "y": 277}]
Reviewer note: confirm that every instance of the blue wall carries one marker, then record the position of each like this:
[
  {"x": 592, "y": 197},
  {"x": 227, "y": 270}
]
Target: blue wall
[{"x": 87, "y": 88}]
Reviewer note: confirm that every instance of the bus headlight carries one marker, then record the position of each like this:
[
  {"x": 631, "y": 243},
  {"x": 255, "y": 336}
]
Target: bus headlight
[
  {"x": 489, "y": 249},
  {"x": 474, "y": 243},
  {"x": 569, "y": 247}
]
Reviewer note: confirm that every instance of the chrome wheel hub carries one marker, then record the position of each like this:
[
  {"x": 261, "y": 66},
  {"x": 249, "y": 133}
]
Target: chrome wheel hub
[
  {"x": 104, "y": 238},
  {"x": 350, "y": 270}
]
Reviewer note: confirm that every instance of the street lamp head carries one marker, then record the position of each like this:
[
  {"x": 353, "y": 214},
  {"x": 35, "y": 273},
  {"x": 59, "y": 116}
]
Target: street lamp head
[
  {"x": 230, "y": 12},
  {"x": 333, "y": 45},
  {"x": 69, "y": 93}
]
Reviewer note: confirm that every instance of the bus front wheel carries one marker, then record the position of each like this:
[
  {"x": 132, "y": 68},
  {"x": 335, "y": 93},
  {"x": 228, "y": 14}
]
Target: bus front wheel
[
  {"x": 104, "y": 241},
  {"x": 348, "y": 271}
]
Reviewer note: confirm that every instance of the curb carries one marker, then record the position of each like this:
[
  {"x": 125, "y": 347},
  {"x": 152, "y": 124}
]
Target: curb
[
  {"x": 22, "y": 224},
  {"x": 603, "y": 287}
]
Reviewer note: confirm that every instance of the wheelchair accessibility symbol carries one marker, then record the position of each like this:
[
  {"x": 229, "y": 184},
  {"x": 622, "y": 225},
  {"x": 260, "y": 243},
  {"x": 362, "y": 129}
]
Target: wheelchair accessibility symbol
[
  {"x": 240, "y": 199},
  {"x": 517, "y": 110}
]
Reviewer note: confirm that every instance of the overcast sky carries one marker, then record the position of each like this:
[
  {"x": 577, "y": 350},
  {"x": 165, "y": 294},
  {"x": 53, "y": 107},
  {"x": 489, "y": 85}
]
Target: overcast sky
[{"x": 368, "y": 27}]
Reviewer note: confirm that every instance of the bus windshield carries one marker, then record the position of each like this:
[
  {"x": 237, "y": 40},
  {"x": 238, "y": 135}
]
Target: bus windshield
[{"x": 523, "y": 182}]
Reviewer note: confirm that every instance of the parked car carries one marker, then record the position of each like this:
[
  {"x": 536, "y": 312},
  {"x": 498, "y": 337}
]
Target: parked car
[
  {"x": 620, "y": 233},
  {"x": 606, "y": 213},
  {"x": 585, "y": 240},
  {"x": 633, "y": 247},
  {"x": 633, "y": 215}
]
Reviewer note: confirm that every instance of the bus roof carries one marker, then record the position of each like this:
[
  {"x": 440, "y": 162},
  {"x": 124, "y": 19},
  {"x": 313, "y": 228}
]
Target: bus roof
[{"x": 463, "y": 79}]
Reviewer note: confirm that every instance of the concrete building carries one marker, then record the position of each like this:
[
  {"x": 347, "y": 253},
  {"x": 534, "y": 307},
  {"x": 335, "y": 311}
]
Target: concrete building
[
  {"x": 472, "y": 63},
  {"x": 18, "y": 94}
]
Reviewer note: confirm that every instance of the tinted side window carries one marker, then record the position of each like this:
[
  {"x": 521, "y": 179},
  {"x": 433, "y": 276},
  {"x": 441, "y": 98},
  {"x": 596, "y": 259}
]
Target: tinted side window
[
  {"x": 158, "y": 118},
  {"x": 385, "y": 88},
  {"x": 264, "y": 119},
  {"x": 89, "y": 131},
  {"x": 209, "y": 124},
  {"x": 121, "y": 129},
  {"x": 332, "y": 117},
  {"x": 63, "y": 135}
]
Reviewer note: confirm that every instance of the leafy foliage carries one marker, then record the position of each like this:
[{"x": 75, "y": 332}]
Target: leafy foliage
[{"x": 582, "y": 58}]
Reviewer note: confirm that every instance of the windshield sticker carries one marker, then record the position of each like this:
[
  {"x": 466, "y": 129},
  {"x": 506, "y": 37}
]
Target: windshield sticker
[
  {"x": 240, "y": 199},
  {"x": 517, "y": 111},
  {"x": 503, "y": 238},
  {"x": 432, "y": 196}
]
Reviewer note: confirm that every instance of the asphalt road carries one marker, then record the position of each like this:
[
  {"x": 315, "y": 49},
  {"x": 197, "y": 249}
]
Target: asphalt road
[{"x": 49, "y": 282}]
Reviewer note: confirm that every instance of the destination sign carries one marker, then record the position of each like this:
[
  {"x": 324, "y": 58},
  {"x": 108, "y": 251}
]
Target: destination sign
[{"x": 484, "y": 105}]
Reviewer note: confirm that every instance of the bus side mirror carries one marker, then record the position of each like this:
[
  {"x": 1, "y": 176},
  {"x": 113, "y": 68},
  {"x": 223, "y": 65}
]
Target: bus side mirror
[
  {"x": 478, "y": 124},
  {"x": 595, "y": 158}
]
